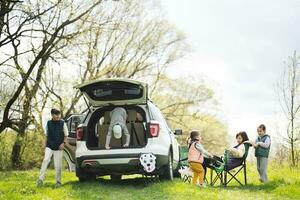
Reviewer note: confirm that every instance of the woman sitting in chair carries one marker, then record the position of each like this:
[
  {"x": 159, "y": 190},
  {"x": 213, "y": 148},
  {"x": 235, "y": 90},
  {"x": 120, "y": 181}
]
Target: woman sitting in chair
[{"x": 234, "y": 156}]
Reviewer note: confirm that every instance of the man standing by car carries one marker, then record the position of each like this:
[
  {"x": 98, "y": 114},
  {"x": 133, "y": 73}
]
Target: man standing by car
[
  {"x": 117, "y": 126},
  {"x": 56, "y": 137}
]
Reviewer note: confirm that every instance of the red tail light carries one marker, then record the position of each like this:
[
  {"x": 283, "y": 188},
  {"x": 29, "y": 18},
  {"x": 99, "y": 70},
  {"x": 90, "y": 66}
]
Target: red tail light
[
  {"x": 154, "y": 129},
  {"x": 79, "y": 133}
]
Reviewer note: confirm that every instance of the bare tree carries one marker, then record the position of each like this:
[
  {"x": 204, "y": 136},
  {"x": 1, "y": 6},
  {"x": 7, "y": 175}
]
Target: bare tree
[
  {"x": 182, "y": 98},
  {"x": 33, "y": 32},
  {"x": 189, "y": 104},
  {"x": 288, "y": 91},
  {"x": 126, "y": 40},
  {"x": 97, "y": 39}
]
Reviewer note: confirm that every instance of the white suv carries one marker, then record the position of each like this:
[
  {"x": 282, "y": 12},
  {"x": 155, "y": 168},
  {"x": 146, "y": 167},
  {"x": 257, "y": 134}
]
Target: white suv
[{"x": 153, "y": 148}]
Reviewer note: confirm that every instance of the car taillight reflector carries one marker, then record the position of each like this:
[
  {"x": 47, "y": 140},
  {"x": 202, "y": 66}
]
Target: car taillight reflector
[
  {"x": 154, "y": 129},
  {"x": 79, "y": 133}
]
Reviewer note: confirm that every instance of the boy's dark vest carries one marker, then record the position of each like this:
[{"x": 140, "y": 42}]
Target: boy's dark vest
[
  {"x": 55, "y": 135},
  {"x": 260, "y": 151}
]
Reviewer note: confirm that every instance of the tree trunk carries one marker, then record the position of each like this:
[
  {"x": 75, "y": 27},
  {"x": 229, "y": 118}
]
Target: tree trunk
[
  {"x": 293, "y": 153},
  {"x": 16, "y": 159}
]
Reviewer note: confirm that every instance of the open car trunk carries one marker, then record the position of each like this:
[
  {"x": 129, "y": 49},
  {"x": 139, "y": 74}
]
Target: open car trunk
[
  {"x": 99, "y": 124},
  {"x": 114, "y": 92}
]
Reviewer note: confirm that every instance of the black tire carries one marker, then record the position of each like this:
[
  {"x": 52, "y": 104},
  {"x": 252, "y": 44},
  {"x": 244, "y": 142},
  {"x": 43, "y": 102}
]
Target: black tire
[
  {"x": 83, "y": 177},
  {"x": 168, "y": 172},
  {"x": 176, "y": 171},
  {"x": 90, "y": 177},
  {"x": 115, "y": 177}
]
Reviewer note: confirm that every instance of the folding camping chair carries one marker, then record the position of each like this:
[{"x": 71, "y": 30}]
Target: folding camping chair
[
  {"x": 241, "y": 167},
  {"x": 218, "y": 176},
  {"x": 184, "y": 171},
  {"x": 222, "y": 176}
]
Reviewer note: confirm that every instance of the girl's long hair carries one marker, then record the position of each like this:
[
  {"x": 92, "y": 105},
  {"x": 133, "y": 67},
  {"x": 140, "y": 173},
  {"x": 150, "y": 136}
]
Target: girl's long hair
[{"x": 243, "y": 134}]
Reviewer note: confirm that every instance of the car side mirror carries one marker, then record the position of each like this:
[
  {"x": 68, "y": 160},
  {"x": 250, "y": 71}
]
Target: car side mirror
[{"x": 178, "y": 132}]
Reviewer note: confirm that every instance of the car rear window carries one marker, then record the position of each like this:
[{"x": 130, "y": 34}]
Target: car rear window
[{"x": 115, "y": 91}]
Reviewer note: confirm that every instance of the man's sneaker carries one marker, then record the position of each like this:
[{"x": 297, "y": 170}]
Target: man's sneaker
[
  {"x": 39, "y": 183},
  {"x": 58, "y": 184}
]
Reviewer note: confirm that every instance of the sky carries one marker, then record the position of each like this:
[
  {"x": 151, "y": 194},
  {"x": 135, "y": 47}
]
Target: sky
[{"x": 240, "y": 46}]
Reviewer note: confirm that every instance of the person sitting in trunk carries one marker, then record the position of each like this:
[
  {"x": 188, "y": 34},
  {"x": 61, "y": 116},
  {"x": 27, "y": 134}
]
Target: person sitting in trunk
[{"x": 117, "y": 126}]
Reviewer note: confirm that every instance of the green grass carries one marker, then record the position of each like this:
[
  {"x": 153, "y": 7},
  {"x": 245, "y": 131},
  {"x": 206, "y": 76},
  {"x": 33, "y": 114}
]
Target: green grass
[{"x": 284, "y": 184}]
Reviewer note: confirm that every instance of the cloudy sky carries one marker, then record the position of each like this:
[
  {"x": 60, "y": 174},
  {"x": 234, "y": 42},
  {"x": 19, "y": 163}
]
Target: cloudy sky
[{"x": 241, "y": 46}]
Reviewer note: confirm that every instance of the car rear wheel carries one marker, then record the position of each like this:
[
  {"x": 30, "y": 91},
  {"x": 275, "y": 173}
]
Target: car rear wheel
[
  {"x": 115, "y": 177},
  {"x": 89, "y": 177},
  {"x": 83, "y": 176},
  {"x": 176, "y": 171},
  {"x": 168, "y": 172}
]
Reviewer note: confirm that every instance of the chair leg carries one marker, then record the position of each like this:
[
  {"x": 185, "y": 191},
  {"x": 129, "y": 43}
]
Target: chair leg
[
  {"x": 221, "y": 179},
  {"x": 211, "y": 177},
  {"x": 206, "y": 180},
  {"x": 225, "y": 178},
  {"x": 245, "y": 174},
  {"x": 185, "y": 178},
  {"x": 233, "y": 176}
]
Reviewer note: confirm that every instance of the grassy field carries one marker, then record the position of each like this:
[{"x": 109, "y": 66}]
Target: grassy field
[{"x": 284, "y": 184}]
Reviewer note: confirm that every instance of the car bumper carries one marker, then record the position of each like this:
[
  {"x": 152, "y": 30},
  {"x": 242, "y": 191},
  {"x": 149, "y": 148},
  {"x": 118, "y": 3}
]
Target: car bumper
[{"x": 118, "y": 164}]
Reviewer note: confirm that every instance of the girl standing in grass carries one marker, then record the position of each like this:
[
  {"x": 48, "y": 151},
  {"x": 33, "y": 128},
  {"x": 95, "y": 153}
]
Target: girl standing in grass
[
  {"x": 262, "y": 149},
  {"x": 196, "y": 156}
]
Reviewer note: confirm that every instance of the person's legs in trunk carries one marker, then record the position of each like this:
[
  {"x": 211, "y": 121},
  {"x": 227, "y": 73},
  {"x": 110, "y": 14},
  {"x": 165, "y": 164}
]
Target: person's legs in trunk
[{"x": 127, "y": 135}]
